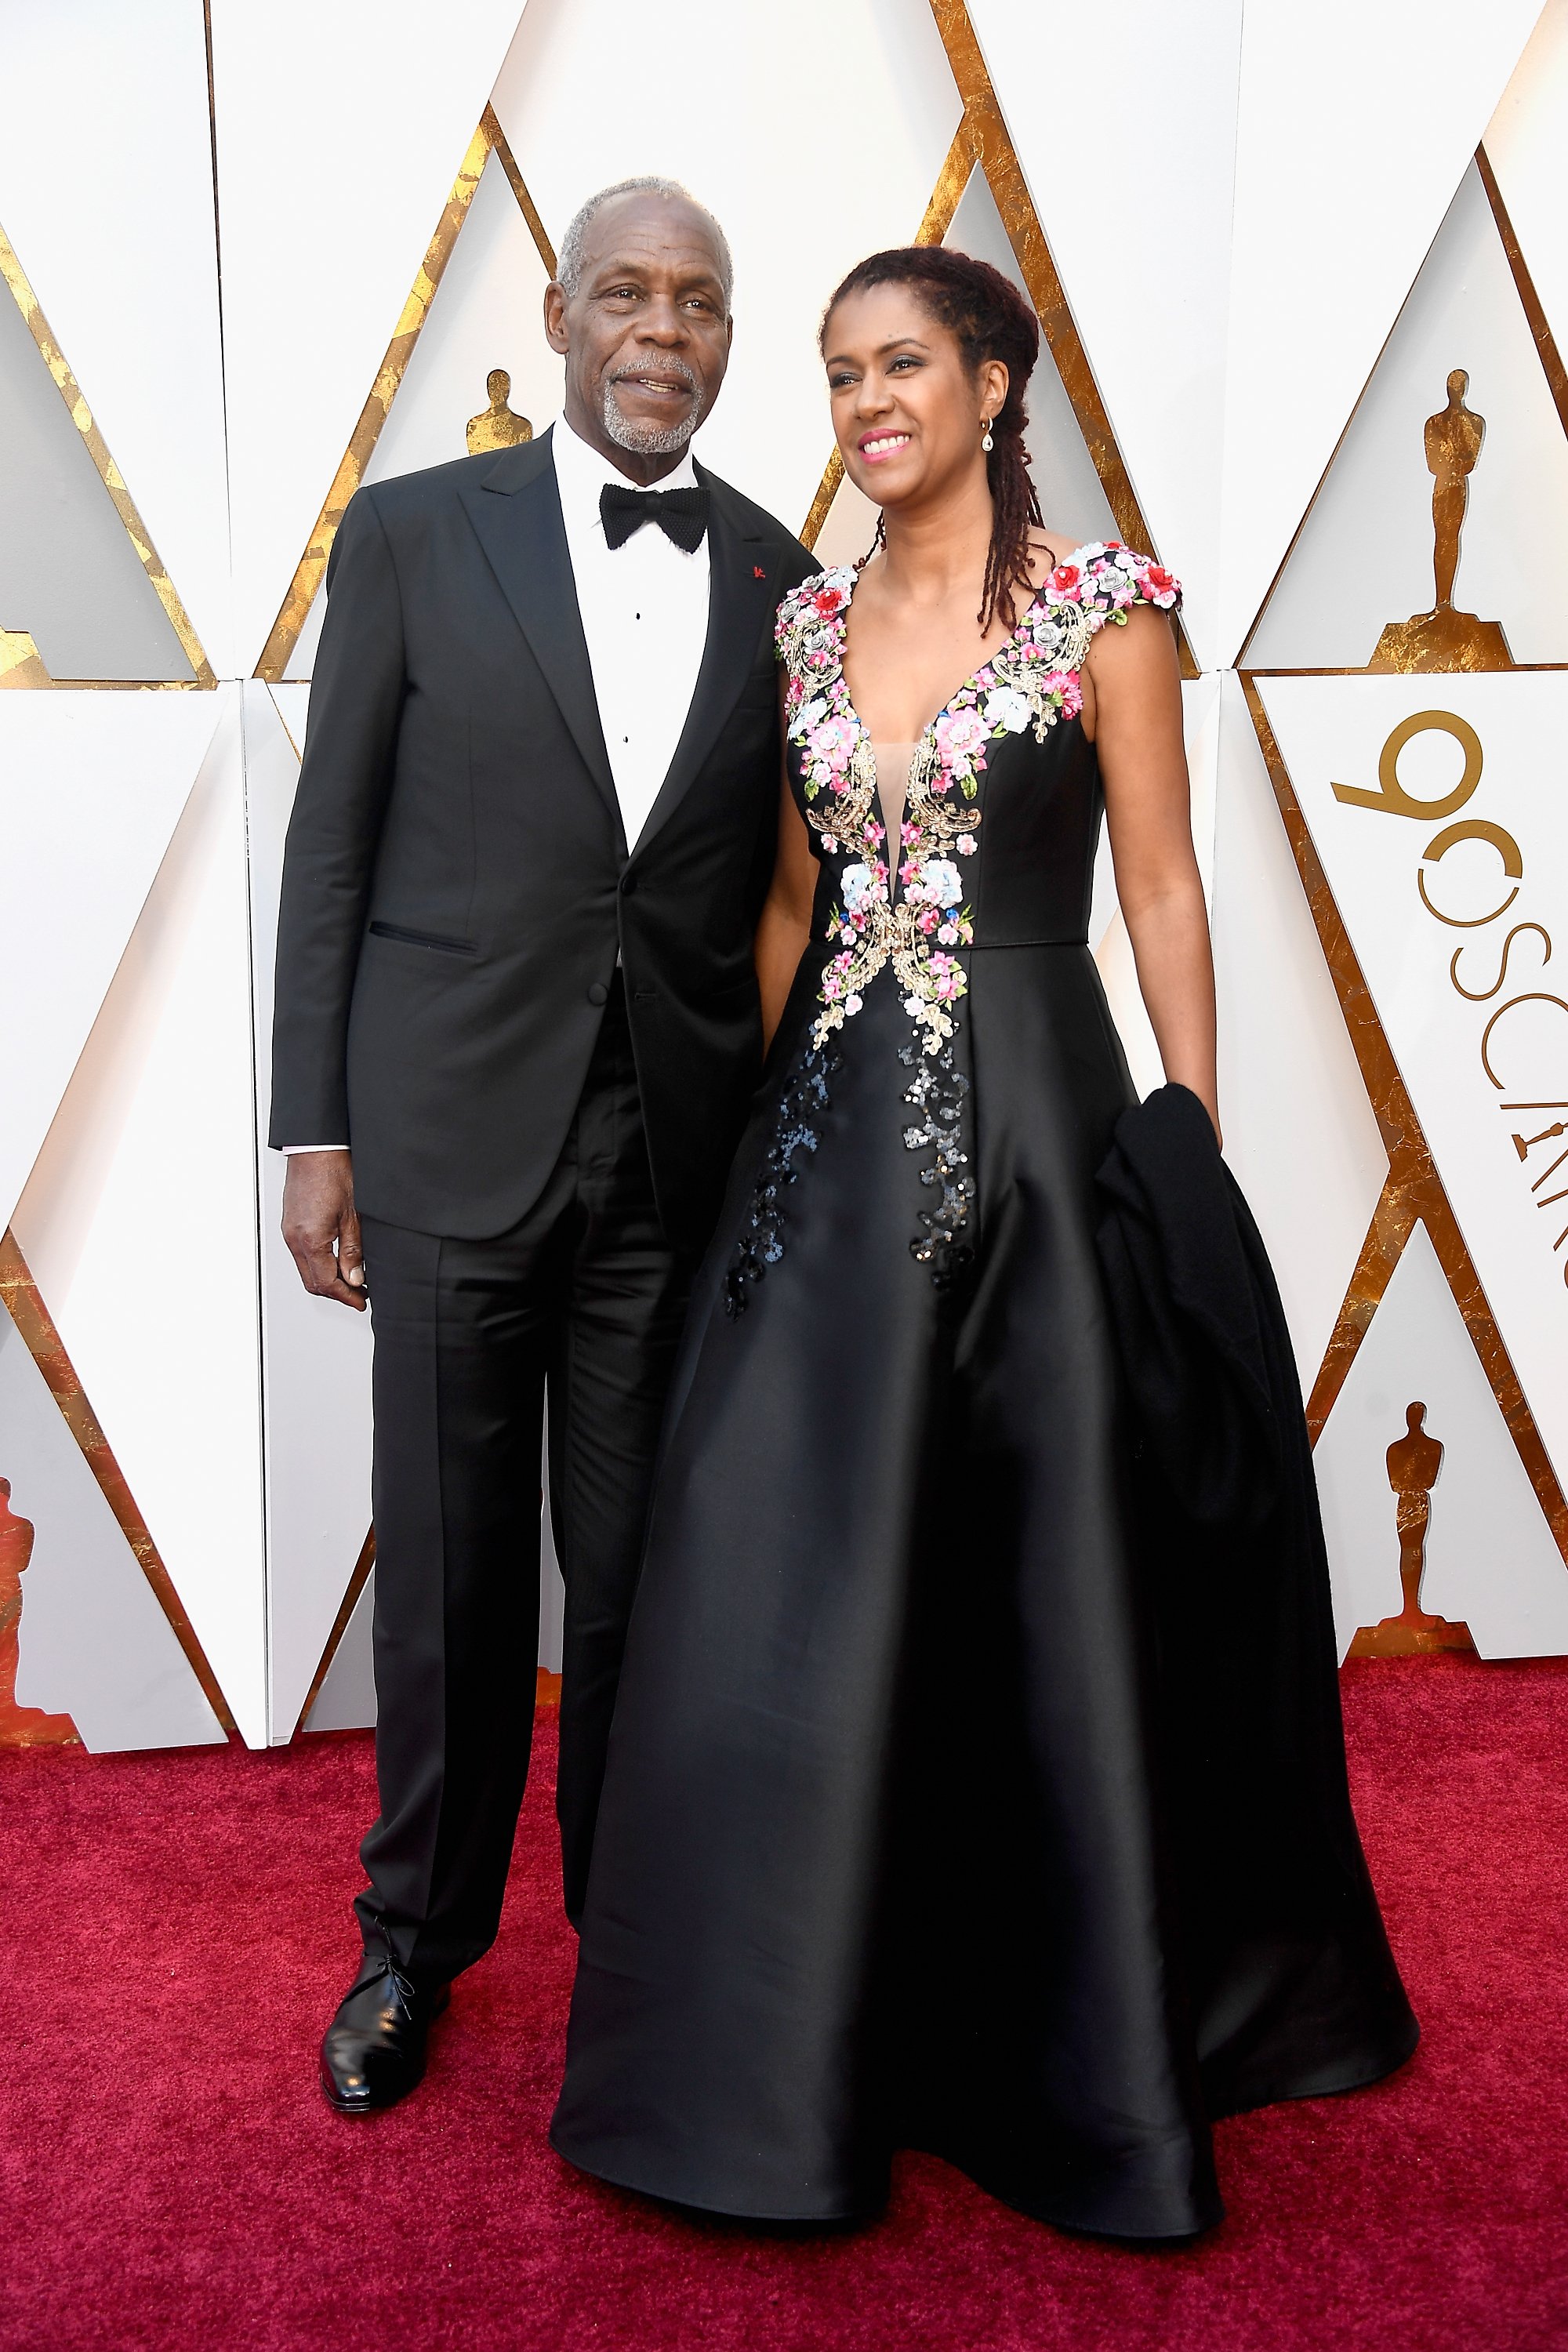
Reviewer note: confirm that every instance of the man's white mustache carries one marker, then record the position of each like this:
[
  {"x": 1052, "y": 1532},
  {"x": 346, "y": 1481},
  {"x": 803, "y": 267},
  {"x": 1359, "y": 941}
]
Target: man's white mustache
[{"x": 664, "y": 374}]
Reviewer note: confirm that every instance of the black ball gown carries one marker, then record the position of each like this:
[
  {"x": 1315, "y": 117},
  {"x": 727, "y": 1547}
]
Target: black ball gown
[{"x": 901, "y": 1843}]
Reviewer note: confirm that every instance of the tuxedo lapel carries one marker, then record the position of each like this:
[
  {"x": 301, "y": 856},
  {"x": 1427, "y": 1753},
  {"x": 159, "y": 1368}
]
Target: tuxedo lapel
[
  {"x": 741, "y": 592},
  {"x": 515, "y": 509}
]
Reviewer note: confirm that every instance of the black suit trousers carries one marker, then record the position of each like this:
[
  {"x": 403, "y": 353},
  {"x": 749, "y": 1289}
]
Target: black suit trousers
[{"x": 583, "y": 1299}]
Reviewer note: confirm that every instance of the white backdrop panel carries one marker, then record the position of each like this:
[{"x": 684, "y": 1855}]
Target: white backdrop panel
[
  {"x": 139, "y": 1222},
  {"x": 1356, "y": 127},
  {"x": 316, "y": 1354},
  {"x": 1490, "y": 1560},
  {"x": 863, "y": 102},
  {"x": 70, "y": 575},
  {"x": 849, "y": 528},
  {"x": 1299, "y": 1129},
  {"x": 341, "y": 132},
  {"x": 487, "y": 313},
  {"x": 1108, "y": 935},
  {"x": 106, "y": 192},
  {"x": 346, "y": 1700},
  {"x": 1513, "y": 1214},
  {"x": 1235, "y": 238},
  {"x": 1524, "y": 145},
  {"x": 1071, "y": 499},
  {"x": 1124, "y": 121},
  {"x": 95, "y": 1645},
  {"x": 92, "y": 787},
  {"x": 1365, "y": 555}
]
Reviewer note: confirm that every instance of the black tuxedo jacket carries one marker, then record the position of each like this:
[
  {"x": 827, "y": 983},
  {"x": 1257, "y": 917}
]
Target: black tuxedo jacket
[{"x": 457, "y": 883}]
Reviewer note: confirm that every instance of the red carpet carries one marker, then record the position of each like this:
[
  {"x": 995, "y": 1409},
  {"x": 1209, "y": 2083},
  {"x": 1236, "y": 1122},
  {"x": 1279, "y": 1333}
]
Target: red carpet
[{"x": 177, "y": 1931}]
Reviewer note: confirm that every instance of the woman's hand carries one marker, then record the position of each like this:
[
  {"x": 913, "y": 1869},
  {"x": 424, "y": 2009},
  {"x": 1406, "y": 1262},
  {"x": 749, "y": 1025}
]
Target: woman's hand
[{"x": 1137, "y": 720}]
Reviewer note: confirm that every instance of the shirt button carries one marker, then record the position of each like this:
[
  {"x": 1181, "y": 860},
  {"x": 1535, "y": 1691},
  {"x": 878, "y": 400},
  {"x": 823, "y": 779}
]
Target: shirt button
[{"x": 598, "y": 993}]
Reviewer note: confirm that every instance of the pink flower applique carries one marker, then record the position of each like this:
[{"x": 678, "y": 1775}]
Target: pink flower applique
[
  {"x": 947, "y": 977},
  {"x": 1067, "y": 686},
  {"x": 958, "y": 735}
]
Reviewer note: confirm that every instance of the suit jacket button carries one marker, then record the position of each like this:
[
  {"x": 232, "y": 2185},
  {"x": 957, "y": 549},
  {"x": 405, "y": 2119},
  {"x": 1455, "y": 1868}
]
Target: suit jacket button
[
  {"x": 598, "y": 993},
  {"x": 628, "y": 884}
]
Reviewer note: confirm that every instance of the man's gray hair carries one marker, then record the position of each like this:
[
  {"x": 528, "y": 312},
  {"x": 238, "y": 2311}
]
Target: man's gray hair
[{"x": 569, "y": 267}]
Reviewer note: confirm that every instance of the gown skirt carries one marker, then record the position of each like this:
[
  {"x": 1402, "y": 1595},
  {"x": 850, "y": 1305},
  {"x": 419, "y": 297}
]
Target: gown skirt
[{"x": 907, "y": 1839}]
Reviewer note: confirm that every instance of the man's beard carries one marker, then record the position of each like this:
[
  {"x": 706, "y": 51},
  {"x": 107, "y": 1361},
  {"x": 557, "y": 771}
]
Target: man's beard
[{"x": 654, "y": 440}]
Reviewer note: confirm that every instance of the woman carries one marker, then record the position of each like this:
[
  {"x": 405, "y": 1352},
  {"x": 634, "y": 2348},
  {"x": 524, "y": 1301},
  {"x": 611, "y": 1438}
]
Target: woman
[{"x": 915, "y": 1830}]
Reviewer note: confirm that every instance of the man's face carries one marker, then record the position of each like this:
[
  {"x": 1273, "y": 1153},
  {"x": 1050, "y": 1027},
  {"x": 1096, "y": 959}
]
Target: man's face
[{"x": 646, "y": 335}]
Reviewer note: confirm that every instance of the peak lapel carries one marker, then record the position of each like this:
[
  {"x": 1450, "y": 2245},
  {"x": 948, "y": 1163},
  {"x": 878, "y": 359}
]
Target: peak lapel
[
  {"x": 515, "y": 510},
  {"x": 741, "y": 592}
]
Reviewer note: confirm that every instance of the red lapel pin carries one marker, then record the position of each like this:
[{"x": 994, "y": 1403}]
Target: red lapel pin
[{"x": 757, "y": 571}]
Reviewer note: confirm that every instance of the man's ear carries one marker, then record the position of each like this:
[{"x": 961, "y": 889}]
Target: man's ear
[{"x": 555, "y": 334}]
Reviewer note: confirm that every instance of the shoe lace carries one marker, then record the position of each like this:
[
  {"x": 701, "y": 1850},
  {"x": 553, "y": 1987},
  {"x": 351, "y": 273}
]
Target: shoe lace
[{"x": 402, "y": 1984}]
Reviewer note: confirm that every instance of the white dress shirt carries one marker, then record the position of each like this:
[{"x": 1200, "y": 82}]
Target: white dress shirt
[
  {"x": 644, "y": 606},
  {"x": 645, "y": 615}
]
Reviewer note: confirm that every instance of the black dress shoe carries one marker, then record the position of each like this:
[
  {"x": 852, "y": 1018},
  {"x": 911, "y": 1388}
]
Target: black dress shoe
[{"x": 373, "y": 2054}]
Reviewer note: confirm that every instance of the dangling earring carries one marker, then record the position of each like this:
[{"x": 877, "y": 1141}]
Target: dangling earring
[{"x": 986, "y": 443}]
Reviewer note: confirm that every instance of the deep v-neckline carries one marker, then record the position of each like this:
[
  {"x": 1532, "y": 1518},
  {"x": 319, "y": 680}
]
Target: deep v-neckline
[
  {"x": 921, "y": 925},
  {"x": 863, "y": 731},
  {"x": 928, "y": 733}
]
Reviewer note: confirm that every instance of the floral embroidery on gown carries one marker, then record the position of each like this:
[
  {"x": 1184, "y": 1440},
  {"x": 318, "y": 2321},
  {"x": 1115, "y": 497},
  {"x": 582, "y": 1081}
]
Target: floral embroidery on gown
[
  {"x": 908, "y": 1837},
  {"x": 917, "y": 926}
]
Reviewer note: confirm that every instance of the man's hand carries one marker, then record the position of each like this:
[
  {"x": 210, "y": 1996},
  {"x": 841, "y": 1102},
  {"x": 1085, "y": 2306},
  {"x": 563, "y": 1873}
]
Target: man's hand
[{"x": 319, "y": 1212}]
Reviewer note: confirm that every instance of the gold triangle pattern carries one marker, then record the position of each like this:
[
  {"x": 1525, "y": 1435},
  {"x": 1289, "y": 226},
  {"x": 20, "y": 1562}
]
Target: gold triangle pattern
[
  {"x": 36, "y": 1329},
  {"x": 1557, "y": 383},
  {"x": 488, "y": 140},
  {"x": 983, "y": 142},
  {"x": 1541, "y": 332},
  {"x": 1413, "y": 1193},
  {"x": 548, "y": 1691},
  {"x": 991, "y": 147},
  {"x": 356, "y": 1585},
  {"x": 19, "y": 662},
  {"x": 952, "y": 180}
]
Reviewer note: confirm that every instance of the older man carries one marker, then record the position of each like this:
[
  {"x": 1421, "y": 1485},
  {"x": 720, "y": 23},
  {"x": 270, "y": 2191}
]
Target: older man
[{"x": 517, "y": 1028}]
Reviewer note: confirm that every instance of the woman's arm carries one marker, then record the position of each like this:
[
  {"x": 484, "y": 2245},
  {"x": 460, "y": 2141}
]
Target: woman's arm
[
  {"x": 1137, "y": 718},
  {"x": 784, "y": 925}
]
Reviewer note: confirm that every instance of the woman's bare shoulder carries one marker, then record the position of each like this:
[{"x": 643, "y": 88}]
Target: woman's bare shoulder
[{"x": 1047, "y": 549}]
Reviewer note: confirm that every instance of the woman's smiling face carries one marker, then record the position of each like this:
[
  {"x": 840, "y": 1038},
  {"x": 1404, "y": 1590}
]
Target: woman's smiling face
[{"x": 907, "y": 409}]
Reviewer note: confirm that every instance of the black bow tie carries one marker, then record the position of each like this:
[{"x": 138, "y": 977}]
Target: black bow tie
[{"x": 681, "y": 515}]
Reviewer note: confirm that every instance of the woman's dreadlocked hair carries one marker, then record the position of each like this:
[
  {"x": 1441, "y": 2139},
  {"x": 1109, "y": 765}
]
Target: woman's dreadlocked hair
[{"x": 991, "y": 321}]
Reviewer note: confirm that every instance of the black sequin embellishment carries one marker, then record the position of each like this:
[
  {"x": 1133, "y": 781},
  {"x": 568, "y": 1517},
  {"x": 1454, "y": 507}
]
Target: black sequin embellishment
[
  {"x": 937, "y": 1091},
  {"x": 804, "y": 1098}
]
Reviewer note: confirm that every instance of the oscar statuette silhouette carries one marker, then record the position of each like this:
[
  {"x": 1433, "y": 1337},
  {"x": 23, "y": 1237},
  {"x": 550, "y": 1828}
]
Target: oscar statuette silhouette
[
  {"x": 497, "y": 426},
  {"x": 1414, "y": 1462},
  {"x": 20, "y": 1727},
  {"x": 1445, "y": 638}
]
